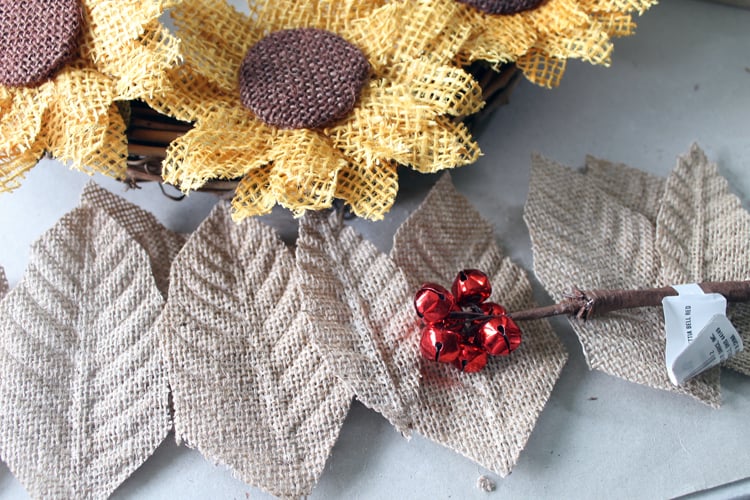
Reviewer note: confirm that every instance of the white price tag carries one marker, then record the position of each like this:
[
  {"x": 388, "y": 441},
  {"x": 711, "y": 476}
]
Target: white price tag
[{"x": 699, "y": 335}]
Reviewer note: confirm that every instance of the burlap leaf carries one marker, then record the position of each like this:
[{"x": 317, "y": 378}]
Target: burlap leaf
[
  {"x": 486, "y": 416},
  {"x": 703, "y": 234},
  {"x": 250, "y": 390},
  {"x": 634, "y": 189},
  {"x": 160, "y": 243},
  {"x": 583, "y": 236},
  {"x": 83, "y": 396},
  {"x": 359, "y": 307},
  {"x": 3, "y": 283}
]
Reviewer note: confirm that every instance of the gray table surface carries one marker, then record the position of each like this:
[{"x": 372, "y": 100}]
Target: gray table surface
[{"x": 684, "y": 77}]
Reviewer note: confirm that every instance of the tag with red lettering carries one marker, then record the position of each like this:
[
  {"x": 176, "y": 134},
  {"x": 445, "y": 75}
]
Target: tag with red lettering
[{"x": 699, "y": 335}]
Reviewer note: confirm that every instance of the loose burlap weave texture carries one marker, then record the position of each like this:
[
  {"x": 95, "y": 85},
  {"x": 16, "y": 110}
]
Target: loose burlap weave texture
[
  {"x": 160, "y": 244},
  {"x": 83, "y": 396},
  {"x": 539, "y": 40},
  {"x": 263, "y": 349},
  {"x": 399, "y": 117},
  {"x": 358, "y": 305},
  {"x": 250, "y": 389},
  {"x": 613, "y": 226}
]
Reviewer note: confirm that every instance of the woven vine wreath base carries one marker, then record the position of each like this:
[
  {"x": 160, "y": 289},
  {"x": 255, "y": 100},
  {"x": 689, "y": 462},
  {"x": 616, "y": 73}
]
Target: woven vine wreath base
[{"x": 149, "y": 132}]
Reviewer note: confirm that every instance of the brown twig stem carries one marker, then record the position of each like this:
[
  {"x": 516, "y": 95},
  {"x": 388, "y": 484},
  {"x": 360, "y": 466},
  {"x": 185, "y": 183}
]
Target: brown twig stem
[{"x": 584, "y": 304}]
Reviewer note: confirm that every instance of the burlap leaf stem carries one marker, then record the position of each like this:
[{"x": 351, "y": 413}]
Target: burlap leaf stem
[
  {"x": 486, "y": 416},
  {"x": 585, "y": 304},
  {"x": 358, "y": 305},
  {"x": 250, "y": 390},
  {"x": 83, "y": 394}
]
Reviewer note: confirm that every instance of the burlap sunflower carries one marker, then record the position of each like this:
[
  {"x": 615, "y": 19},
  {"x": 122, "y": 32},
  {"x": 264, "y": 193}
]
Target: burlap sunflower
[
  {"x": 300, "y": 102},
  {"x": 63, "y": 65},
  {"x": 538, "y": 35}
]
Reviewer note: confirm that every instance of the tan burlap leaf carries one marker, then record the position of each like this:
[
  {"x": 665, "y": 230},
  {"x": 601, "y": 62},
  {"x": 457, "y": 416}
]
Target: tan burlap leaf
[
  {"x": 83, "y": 394},
  {"x": 3, "y": 283},
  {"x": 486, "y": 416},
  {"x": 703, "y": 234},
  {"x": 358, "y": 306},
  {"x": 250, "y": 389},
  {"x": 582, "y": 236},
  {"x": 160, "y": 243},
  {"x": 634, "y": 189}
]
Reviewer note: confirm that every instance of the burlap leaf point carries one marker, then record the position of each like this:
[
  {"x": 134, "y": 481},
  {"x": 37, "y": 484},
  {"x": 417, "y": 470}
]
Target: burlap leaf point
[
  {"x": 486, "y": 416},
  {"x": 250, "y": 389},
  {"x": 161, "y": 244},
  {"x": 83, "y": 398}
]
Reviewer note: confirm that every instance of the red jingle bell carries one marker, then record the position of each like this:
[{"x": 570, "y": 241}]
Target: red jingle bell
[
  {"x": 470, "y": 359},
  {"x": 489, "y": 309},
  {"x": 438, "y": 344},
  {"x": 471, "y": 286},
  {"x": 492, "y": 309},
  {"x": 499, "y": 336},
  {"x": 433, "y": 303}
]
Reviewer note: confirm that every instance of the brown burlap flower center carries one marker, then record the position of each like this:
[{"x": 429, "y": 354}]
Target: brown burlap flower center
[
  {"x": 36, "y": 38},
  {"x": 502, "y": 6},
  {"x": 302, "y": 78}
]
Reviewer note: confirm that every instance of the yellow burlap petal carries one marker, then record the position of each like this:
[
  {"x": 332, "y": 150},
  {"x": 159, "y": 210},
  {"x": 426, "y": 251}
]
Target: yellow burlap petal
[
  {"x": 302, "y": 177},
  {"x": 446, "y": 89},
  {"x": 386, "y": 126},
  {"x": 12, "y": 168},
  {"x": 193, "y": 97},
  {"x": 253, "y": 196},
  {"x": 80, "y": 94},
  {"x": 502, "y": 38},
  {"x": 218, "y": 149},
  {"x": 558, "y": 28},
  {"x": 148, "y": 60},
  {"x": 541, "y": 69},
  {"x": 591, "y": 44},
  {"x": 21, "y": 113},
  {"x": 554, "y": 16},
  {"x": 329, "y": 15},
  {"x": 408, "y": 30},
  {"x": 215, "y": 38},
  {"x": 369, "y": 187},
  {"x": 615, "y": 24},
  {"x": 124, "y": 39},
  {"x": 82, "y": 125},
  {"x": 305, "y": 167},
  {"x": 623, "y": 6},
  {"x": 90, "y": 147}
]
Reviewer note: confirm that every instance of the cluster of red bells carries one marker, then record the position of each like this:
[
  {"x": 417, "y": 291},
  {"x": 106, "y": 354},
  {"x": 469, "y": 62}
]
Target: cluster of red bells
[{"x": 462, "y": 329}]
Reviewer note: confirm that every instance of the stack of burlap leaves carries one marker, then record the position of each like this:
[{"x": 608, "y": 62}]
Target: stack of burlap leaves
[
  {"x": 263, "y": 347},
  {"x": 612, "y": 226}
]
